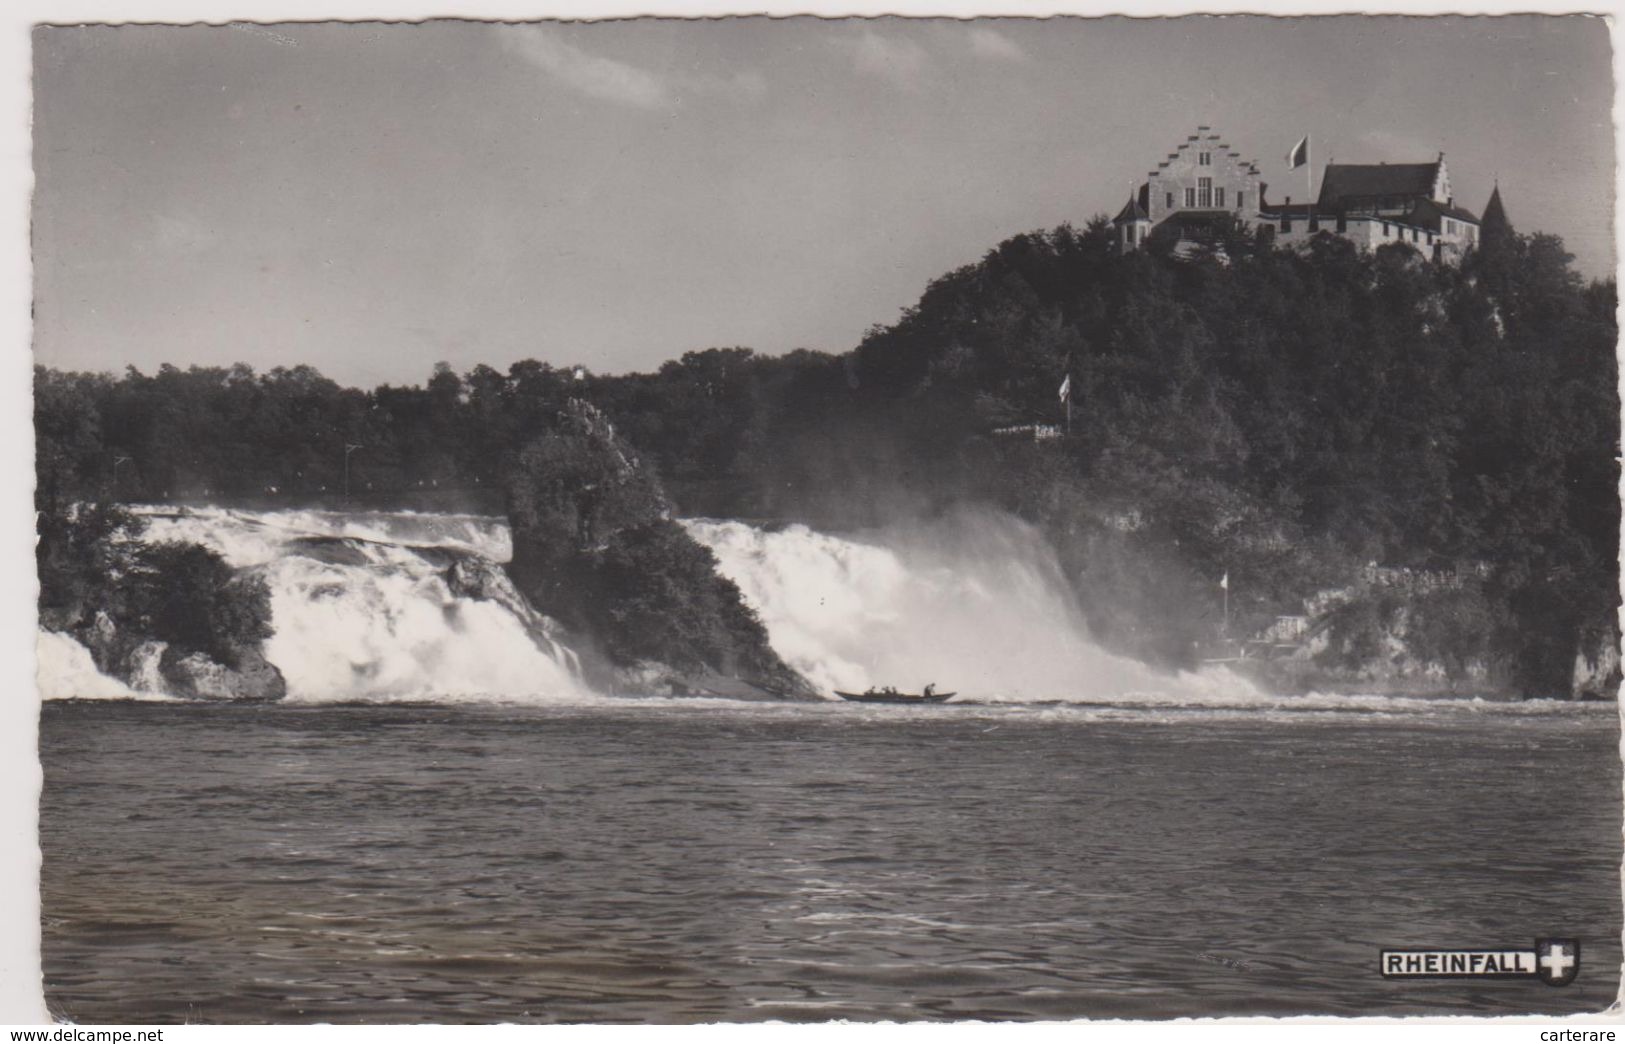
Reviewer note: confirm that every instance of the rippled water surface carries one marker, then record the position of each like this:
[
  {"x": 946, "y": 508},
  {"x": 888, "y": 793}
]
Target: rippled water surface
[{"x": 692, "y": 863}]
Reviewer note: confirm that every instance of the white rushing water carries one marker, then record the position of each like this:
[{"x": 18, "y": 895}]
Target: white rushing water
[
  {"x": 66, "y": 671},
  {"x": 362, "y": 610},
  {"x": 976, "y": 603}
]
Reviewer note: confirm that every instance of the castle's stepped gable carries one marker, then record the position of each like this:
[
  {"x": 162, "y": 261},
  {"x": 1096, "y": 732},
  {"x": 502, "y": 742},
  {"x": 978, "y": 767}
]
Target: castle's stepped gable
[{"x": 1201, "y": 179}]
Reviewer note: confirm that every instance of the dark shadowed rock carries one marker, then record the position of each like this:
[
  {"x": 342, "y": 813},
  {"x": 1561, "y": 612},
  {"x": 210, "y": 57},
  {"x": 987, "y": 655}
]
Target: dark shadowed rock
[
  {"x": 594, "y": 547},
  {"x": 196, "y": 676},
  {"x": 106, "y": 644},
  {"x": 473, "y": 576}
]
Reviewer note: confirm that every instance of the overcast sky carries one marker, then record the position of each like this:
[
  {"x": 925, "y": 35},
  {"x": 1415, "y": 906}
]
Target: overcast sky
[{"x": 372, "y": 198}]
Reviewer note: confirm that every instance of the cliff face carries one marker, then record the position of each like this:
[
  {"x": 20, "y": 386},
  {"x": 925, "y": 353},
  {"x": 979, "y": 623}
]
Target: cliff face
[
  {"x": 594, "y": 546},
  {"x": 1401, "y": 631}
]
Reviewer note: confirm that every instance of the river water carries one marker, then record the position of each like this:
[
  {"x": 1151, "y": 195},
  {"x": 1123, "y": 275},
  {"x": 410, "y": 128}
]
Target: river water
[{"x": 665, "y": 861}]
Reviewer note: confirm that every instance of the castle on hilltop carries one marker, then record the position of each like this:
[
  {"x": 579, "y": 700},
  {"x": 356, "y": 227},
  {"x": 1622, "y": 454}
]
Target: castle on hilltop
[{"x": 1370, "y": 204}]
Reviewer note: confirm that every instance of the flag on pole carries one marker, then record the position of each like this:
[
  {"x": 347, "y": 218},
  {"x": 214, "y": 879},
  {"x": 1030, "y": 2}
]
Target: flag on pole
[
  {"x": 1299, "y": 154},
  {"x": 1224, "y": 582},
  {"x": 1066, "y": 389}
]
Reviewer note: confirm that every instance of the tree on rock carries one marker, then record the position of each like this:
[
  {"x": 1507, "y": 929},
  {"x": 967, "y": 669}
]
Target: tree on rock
[{"x": 595, "y": 547}]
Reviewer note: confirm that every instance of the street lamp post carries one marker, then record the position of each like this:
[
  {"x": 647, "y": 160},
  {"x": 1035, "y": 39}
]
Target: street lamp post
[{"x": 349, "y": 448}]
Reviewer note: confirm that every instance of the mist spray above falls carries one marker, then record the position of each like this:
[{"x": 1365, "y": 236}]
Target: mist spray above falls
[{"x": 974, "y": 602}]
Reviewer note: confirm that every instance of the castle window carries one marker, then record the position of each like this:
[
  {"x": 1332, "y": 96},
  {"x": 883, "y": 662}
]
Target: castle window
[
  {"x": 1170, "y": 201},
  {"x": 1190, "y": 197},
  {"x": 1387, "y": 229},
  {"x": 1342, "y": 223},
  {"x": 1204, "y": 192},
  {"x": 1218, "y": 196},
  {"x": 1239, "y": 197},
  {"x": 1204, "y": 159}
]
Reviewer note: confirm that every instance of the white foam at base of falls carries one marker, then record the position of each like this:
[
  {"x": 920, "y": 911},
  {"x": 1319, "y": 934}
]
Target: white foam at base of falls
[
  {"x": 974, "y": 602},
  {"x": 67, "y": 672}
]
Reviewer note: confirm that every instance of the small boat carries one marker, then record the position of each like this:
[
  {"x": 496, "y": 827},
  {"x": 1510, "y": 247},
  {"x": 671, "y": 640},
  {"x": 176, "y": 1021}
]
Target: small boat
[{"x": 890, "y": 695}]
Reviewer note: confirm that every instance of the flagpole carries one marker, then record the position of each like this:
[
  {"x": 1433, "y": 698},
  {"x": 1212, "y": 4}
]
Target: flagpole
[{"x": 1309, "y": 177}]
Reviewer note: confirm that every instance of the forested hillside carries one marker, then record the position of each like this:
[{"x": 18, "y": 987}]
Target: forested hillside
[{"x": 1283, "y": 418}]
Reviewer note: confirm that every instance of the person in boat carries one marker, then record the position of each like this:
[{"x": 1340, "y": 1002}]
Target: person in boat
[{"x": 930, "y": 689}]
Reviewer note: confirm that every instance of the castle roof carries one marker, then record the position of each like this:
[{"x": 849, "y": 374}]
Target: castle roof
[
  {"x": 1292, "y": 210},
  {"x": 1132, "y": 211},
  {"x": 1192, "y": 219},
  {"x": 1426, "y": 210},
  {"x": 1350, "y": 181},
  {"x": 1495, "y": 215}
]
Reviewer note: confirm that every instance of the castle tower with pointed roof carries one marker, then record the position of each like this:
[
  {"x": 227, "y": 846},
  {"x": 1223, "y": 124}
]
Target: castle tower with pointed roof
[
  {"x": 1132, "y": 223},
  {"x": 1495, "y": 228}
]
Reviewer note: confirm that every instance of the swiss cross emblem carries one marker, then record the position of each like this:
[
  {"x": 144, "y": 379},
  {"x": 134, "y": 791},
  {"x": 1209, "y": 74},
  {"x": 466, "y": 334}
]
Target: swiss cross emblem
[{"x": 1557, "y": 961}]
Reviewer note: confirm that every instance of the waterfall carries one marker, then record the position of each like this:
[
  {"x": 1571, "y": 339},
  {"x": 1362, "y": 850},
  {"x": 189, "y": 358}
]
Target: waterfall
[
  {"x": 374, "y": 606},
  {"x": 364, "y": 609},
  {"x": 974, "y": 602}
]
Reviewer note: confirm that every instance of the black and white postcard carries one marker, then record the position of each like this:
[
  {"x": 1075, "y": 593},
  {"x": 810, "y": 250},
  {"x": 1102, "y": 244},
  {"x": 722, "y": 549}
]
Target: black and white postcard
[{"x": 743, "y": 520}]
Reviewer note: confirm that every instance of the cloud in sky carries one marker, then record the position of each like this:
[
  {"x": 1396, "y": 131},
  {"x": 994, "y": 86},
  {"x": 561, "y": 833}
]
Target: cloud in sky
[
  {"x": 995, "y": 46},
  {"x": 622, "y": 82},
  {"x": 902, "y": 62},
  {"x": 590, "y": 74}
]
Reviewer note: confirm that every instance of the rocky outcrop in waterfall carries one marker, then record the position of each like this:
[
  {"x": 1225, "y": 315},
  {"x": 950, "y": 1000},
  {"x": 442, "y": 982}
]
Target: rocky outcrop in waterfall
[
  {"x": 197, "y": 676},
  {"x": 166, "y": 616},
  {"x": 151, "y": 665},
  {"x": 595, "y": 547}
]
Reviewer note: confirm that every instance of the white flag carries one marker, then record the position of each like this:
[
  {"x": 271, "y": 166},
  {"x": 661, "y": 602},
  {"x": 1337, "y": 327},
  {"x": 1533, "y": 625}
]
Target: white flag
[
  {"x": 1299, "y": 154},
  {"x": 1066, "y": 388},
  {"x": 1224, "y": 582}
]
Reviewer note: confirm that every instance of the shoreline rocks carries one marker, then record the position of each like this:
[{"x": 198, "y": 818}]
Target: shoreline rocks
[{"x": 149, "y": 665}]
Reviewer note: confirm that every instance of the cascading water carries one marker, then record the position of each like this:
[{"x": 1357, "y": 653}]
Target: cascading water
[
  {"x": 364, "y": 608},
  {"x": 66, "y": 671},
  {"x": 974, "y": 602},
  {"x": 402, "y": 606}
]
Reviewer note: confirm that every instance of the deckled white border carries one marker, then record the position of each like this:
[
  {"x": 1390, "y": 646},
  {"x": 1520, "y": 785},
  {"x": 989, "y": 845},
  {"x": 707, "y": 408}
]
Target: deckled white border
[{"x": 21, "y": 1001}]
